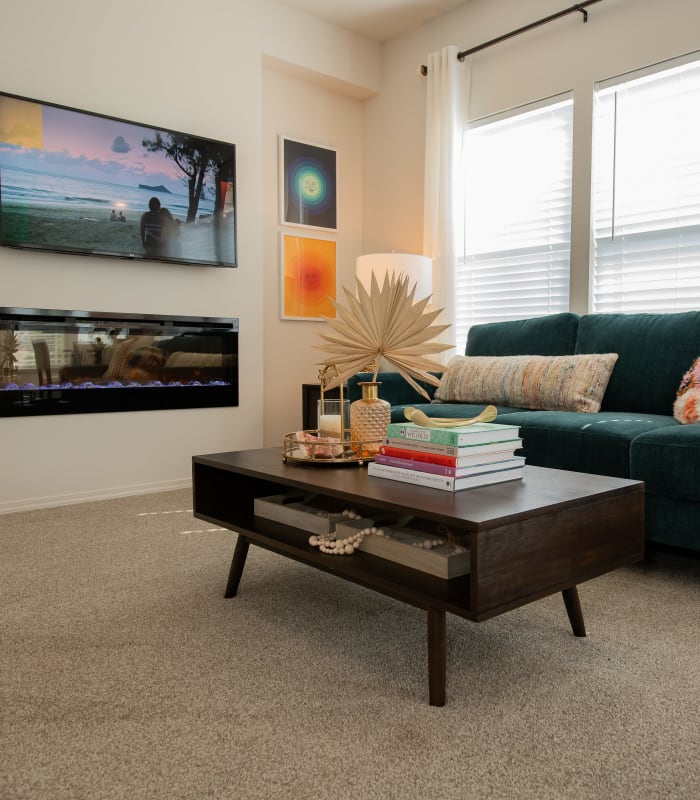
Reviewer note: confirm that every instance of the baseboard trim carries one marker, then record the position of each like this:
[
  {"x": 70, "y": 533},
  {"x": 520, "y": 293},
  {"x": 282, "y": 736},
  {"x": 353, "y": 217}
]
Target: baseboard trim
[{"x": 33, "y": 503}]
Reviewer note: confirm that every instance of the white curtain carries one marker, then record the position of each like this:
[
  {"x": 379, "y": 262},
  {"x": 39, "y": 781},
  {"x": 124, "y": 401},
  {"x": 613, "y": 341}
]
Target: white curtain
[{"x": 447, "y": 98}]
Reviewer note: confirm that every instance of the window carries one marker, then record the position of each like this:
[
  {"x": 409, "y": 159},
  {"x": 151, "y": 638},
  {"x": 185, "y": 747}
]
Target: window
[
  {"x": 25, "y": 357},
  {"x": 517, "y": 220},
  {"x": 62, "y": 346},
  {"x": 645, "y": 216}
]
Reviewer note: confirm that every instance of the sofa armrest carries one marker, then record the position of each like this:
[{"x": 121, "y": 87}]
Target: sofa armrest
[{"x": 394, "y": 389}]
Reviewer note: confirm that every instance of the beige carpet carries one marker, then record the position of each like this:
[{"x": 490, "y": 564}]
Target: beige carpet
[{"x": 125, "y": 674}]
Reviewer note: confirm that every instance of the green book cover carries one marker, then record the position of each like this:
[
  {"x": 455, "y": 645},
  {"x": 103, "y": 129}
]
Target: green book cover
[{"x": 479, "y": 433}]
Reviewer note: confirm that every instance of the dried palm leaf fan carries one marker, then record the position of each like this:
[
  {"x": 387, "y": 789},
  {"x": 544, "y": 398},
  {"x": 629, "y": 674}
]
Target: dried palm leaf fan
[
  {"x": 385, "y": 323},
  {"x": 9, "y": 345}
]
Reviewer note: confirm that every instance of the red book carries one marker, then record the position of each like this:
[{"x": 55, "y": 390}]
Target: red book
[
  {"x": 486, "y": 454},
  {"x": 478, "y": 468}
]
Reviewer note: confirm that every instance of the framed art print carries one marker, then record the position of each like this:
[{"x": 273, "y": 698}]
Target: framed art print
[
  {"x": 308, "y": 185},
  {"x": 308, "y": 277}
]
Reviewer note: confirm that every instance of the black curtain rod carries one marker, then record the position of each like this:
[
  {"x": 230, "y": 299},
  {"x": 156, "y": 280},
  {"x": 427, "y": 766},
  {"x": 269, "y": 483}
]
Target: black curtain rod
[{"x": 578, "y": 7}]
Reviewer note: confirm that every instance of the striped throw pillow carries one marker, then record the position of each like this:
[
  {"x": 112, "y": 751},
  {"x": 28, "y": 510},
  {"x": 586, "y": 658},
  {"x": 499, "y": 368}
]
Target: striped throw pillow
[{"x": 548, "y": 383}]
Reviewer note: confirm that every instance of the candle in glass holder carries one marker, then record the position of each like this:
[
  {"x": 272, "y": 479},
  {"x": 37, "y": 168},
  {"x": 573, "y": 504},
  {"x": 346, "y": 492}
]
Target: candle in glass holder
[
  {"x": 333, "y": 418},
  {"x": 329, "y": 425}
]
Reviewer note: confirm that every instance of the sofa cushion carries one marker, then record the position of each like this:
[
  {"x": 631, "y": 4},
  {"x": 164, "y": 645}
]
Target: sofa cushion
[
  {"x": 655, "y": 351},
  {"x": 553, "y": 383},
  {"x": 192, "y": 343},
  {"x": 597, "y": 443},
  {"x": 179, "y": 359},
  {"x": 686, "y": 408},
  {"x": 551, "y": 335},
  {"x": 668, "y": 461},
  {"x": 672, "y": 521},
  {"x": 122, "y": 353}
]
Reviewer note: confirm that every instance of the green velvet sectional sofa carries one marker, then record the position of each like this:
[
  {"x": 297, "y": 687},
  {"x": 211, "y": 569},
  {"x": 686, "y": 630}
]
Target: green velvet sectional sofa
[{"x": 633, "y": 435}]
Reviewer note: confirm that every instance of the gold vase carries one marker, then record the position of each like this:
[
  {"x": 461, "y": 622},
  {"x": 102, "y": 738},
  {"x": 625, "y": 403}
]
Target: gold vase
[{"x": 369, "y": 417}]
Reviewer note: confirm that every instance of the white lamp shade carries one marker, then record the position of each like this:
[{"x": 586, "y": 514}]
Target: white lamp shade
[{"x": 418, "y": 268}]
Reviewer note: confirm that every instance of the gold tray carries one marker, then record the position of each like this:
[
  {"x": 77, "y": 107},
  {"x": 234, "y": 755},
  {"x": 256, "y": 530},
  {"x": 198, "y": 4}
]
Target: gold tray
[{"x": 332, "y": 453}]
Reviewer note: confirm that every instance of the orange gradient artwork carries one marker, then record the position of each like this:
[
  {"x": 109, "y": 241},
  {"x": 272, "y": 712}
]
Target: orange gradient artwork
[{"x": 309, "y": 278}]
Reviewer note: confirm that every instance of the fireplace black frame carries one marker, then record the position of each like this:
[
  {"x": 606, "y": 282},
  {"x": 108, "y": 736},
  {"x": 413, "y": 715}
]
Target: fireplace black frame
[{"x": 58, "y": 399}]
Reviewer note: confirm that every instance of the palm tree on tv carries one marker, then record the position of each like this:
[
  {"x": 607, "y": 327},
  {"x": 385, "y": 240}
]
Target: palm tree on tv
[{"x": 196, "y": 158}]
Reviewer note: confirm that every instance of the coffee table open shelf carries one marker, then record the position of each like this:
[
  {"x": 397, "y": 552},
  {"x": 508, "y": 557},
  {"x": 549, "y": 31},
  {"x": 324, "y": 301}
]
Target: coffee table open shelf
[{"x": 527, "y": 539}]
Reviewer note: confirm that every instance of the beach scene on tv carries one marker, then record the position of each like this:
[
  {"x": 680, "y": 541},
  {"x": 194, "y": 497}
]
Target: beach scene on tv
[{"x": 79, "y": 182}]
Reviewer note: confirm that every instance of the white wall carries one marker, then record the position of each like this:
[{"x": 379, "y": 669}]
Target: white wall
[
  {"x": 196, "y": 68},
  {"x": 565, "y": 55},
  {"x": 141, "y": 61},
  {"x": 301, "y": 110}
]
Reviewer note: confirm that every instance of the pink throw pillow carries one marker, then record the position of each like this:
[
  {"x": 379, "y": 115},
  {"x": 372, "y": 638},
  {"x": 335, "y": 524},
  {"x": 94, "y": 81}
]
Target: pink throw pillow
[{"x": 686, "y": 408}]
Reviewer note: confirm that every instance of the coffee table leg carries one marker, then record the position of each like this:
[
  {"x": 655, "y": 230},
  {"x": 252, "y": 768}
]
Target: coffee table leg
[
  {"x": 237, "y": 564},
  {"x": 573, "y": 609},
  {"x": 437, "y": 656}
]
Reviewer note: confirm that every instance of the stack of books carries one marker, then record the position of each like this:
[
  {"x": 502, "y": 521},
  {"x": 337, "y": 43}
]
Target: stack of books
[{"x": 449, "y": 458}]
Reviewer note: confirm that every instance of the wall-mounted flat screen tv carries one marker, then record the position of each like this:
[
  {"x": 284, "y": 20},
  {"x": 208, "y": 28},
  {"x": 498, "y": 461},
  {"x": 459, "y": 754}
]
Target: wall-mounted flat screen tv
[{"x": 77, "y": 182}]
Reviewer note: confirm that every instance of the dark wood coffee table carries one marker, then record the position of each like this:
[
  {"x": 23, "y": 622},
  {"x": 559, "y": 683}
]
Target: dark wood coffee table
[{"x": 528, "y": 539}]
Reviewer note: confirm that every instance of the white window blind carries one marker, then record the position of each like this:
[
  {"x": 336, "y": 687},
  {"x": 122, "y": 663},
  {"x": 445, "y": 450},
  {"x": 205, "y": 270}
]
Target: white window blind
[
  {"x": 24, "y": 357},
  {"x": 517, "y": 221},
  {"x": 645, "y": 216}
]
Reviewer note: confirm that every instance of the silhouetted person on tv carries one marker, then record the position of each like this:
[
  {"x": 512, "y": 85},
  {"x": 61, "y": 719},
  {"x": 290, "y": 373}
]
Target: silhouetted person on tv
[
  {"x": 121, "y": 217},
  {"x": 113, "y": 216},
  {"x": 152, "y": 228},
  {"x": 170, "y": 233}
]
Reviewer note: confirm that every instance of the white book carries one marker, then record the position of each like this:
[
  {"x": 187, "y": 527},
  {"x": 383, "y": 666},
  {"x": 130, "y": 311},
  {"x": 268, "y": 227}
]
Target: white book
[{"x": 443, "y": 481}]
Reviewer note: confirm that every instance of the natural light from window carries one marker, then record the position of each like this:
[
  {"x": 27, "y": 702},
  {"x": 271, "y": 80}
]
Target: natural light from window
[
  {"x": 645, "y": 250},
  {"x": 517, "y": 220}
]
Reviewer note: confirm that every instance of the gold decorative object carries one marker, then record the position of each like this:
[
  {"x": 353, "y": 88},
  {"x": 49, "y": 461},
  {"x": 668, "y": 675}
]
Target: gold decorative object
[
  {"x": 369, "y": 417},
  {"x": 418, "y": 417},
  {"x": 308, "y": 447},
  {"x": 313, "y": 447},
  {"x": 386, "y": 323}
]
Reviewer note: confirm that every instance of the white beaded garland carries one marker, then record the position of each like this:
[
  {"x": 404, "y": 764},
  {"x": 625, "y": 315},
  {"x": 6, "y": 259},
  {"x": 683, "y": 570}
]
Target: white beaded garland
[{"x": 327, "y": 543}]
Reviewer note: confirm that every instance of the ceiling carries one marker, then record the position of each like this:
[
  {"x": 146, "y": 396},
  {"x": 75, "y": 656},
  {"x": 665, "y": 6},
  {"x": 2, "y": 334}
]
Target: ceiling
[{"x": 376, "y": 19}]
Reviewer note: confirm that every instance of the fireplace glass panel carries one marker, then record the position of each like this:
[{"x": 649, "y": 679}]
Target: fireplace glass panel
[{"x": 57, "y": 362}]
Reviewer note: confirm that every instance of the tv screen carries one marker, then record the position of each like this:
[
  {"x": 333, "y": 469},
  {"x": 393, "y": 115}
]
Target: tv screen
[{"x": 76, "y": 182}]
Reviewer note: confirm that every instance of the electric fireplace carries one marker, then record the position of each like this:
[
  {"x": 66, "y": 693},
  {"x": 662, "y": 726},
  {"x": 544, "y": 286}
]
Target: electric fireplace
[{"x": 78, "y": 362}]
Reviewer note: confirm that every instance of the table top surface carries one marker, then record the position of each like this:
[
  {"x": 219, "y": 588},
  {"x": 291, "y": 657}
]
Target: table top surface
[{"x": 541, "y": 490}]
